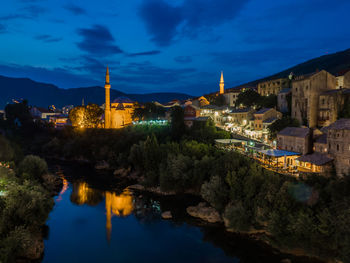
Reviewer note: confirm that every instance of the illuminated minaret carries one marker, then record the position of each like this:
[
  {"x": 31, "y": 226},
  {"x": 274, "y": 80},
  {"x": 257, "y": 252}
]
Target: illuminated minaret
[
  {"x": 107, "y": 102},
  {"x": 222, "y": 84}
]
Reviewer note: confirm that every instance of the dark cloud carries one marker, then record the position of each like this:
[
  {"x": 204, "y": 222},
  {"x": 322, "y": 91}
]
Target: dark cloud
[
  {"x": 48, "y": 38},
  {"x": 2, "y": 29},
  {"x": 98, "y": 41},
  {"x": 74, "y": 9},
  {"x": 164, "y": 21},
  {"x": 183, "y": 59},
  {"x": 27, "y": 12},
  {"x": 161, "y": 20},
  {"x": 146, "y": 53}
]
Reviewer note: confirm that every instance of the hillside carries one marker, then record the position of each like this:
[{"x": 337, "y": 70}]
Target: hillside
[
  {"x": 333, "y": 63},
  {"x": 42, "y": 94}
]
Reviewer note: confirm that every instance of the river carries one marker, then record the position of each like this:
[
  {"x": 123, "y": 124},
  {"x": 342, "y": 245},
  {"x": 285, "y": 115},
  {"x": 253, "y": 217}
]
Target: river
[{"x": 91, "y": 223}]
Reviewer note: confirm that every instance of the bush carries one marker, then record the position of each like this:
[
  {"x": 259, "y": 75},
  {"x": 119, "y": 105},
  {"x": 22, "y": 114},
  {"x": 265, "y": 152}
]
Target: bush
[
  {"x": 215, "y": 192},
  {"x": 33, "y": 167},
  {"x": 238, "y": 217},
  {"x": 6, "y": 151}
]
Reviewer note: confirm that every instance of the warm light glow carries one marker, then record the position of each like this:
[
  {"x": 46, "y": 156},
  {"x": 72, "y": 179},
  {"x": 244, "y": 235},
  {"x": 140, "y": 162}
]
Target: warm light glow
[
  {"x": 64, "y": 189},
  {"x": 117, "y": 205}
]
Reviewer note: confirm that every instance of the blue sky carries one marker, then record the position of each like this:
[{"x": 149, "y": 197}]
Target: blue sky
[{"x": 165, "y": 45}]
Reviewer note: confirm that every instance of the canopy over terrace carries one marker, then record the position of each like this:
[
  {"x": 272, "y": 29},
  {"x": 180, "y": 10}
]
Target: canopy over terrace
[{"x": 278, "y": 158}]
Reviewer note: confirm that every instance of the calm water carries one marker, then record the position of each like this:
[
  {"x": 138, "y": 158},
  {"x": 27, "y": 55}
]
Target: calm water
[{"x": 93, "y": 225}]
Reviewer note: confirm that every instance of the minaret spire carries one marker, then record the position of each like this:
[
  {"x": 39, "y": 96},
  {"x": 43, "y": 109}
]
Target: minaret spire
[
  {"x": 107, "y": 75},
  {"x": 107, "y": 101},
  {"x": 222, "y": 83}
]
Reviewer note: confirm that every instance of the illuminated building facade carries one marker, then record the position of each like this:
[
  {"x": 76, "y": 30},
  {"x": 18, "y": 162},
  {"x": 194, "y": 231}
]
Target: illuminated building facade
[{"x": 118, "y": 114}]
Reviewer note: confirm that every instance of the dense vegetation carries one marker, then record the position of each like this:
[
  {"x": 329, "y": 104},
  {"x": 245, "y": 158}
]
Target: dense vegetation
[
  {"x": 250, "y": 98},
  {"x": 25, "y": 203}
]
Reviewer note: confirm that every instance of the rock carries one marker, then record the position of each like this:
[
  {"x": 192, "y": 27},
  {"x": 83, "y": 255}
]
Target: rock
[
  {"x": 36, "y": 248},
  {"x": 167, "y": 215},
  {"x": 286, "y": 260},
  {"x": 102, "y": 165},
  {"x": 204, "y": 212}
]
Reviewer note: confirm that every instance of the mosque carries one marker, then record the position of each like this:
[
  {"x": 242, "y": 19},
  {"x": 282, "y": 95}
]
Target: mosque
[{"x": 118, "y": 114}]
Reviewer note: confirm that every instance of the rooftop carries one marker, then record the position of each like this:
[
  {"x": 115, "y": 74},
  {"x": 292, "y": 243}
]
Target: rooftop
[
  {"x": 342, "y": 124},
  {"x": 123, "y": 100},
  {"x": 263, "y": 110},
  {"x": 315, "y": 158},
  {"x": 321, "y": 139},
  {"x": 295, "y": 132},
  {"x": 278, "y": 153},
  {"x": 241, "y": 110},
  {"x": 270, "y": 120}
]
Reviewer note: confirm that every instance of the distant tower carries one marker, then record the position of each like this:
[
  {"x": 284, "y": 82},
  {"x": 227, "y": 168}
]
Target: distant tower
[
  {"x": 107, "y": 102},
  {"x": 222, "y": 84}
]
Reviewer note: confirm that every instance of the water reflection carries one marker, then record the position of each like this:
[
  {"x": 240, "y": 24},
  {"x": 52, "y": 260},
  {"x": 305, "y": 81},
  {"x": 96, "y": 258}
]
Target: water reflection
[{"x": 116, "y": 205}]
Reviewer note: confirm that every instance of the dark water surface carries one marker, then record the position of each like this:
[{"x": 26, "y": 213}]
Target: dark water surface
[{"x": 90, "y": 224}]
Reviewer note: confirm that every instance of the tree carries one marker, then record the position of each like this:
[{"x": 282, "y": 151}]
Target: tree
[
  {"x": 280, "y": 124},
  {"x": 249, "y": 98},
  {"x": 177, "y": 122},
  {"x": 215, "y": 192},
  {"x": 93, "y": 115},
  {"x": 219, "y": 100},
  {"x": 149, "y": 111},
  {"x": 6, "y": 151},
  {"x": 18, "y": 112},
  {"x": 77, "y": 116}
]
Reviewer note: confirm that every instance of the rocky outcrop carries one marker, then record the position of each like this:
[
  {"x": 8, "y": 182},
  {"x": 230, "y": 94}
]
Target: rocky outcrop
[
  {"x": 102, "y": 165},
  {"x": 167, "y": 215},
  {"x": 206, "y": 213},
  {"x": 122, "y": 172},
  {"x": 155, "y": 190}
]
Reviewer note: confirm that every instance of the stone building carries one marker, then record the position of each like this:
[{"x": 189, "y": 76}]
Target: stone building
[
  {"x": 231, "y": 97},
  {"x": 118, "y": 114},
  {"x": 295, "y": 139},
  {"x": 263, "y": 115},
  {"x": 273, "y": 86},
  {"x": 191, "y": 113},
  {"x": 282, "y": 100},
  {"x": 241, "y": 116},
  {"x": 338, "y": 140},
  {"x": 346, "y": 80},
  {"x": 330, "y": 103},
  {"x": 306, "y": 91}
]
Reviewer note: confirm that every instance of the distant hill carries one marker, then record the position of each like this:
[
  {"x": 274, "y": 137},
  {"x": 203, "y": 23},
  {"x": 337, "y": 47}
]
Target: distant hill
[
  {"x": 41, "y": 94},
  {"x": 333, "y": 63}
]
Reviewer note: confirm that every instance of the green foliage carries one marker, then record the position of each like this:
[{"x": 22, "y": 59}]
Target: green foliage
[
  {"x": 89, "y": 116},
  {"x": 7, "y": 153},
  {"x": 215, "y": 192},
  {"x": 177, "y": 123},
  {"x": 218, "y": 100},
  {"x": 149, "y": 111},
  {"x": 280, "y": 124},
  {"x": 32, "y": 167},
  {"x": 248, "y": 98},
  {"x": 18, "y": 113},
  {"x": 238, "y": 217}
]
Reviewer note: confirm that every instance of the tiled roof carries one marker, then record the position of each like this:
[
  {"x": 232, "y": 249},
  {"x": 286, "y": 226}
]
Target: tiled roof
[
  {"x": 263, "y": 110},
  {"x": 270, "y": 120},
  {"x": 295, "y": 132},
  {"x": 210, "y": 107},
  {"x": 342, "y": 124},
  {"x": 123, "y": 100},
  {"x": 241, "y": 110},
  {"x": 315, "y": 158}
]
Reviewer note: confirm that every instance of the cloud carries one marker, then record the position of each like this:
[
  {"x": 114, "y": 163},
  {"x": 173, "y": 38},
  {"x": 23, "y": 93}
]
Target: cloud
[
  {"x": 48, "y": 38},
  {"x": 165, "y": 22},
  {"x": 146, "y": 53},
  {"x": 161, "y": 20},
  {"x": 2, "y": 29},
  {"x": 74, "y": 9},
  {"x": 183, "y": 59},
  {"x": 98, "y": 41},
  {"x": 27, "y": 12}
]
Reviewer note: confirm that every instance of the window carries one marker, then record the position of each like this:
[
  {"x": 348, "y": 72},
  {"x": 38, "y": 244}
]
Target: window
[{"x": 338, "y": 147}]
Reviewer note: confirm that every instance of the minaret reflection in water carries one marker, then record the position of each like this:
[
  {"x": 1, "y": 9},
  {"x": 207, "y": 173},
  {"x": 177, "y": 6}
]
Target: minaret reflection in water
[{"x": 116, "y": 205}]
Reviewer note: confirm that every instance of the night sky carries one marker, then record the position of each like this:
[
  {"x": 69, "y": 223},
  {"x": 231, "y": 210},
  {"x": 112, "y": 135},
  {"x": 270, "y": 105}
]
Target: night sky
[{"x": 159, "y": 45}]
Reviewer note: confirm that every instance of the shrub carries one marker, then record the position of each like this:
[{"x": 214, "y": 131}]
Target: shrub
[
  {"x": 33, "y": 167},
  {"x": 238, "y": 217},
  {"x": 215, "y": 192},
  {"x": 6, "y": 151}
]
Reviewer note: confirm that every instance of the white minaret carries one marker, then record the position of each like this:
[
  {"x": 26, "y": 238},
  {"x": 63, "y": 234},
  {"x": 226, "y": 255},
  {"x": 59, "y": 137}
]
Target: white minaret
[
  {"x": 222, "y": 83},
  {"x": 107, "y": 101}
]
